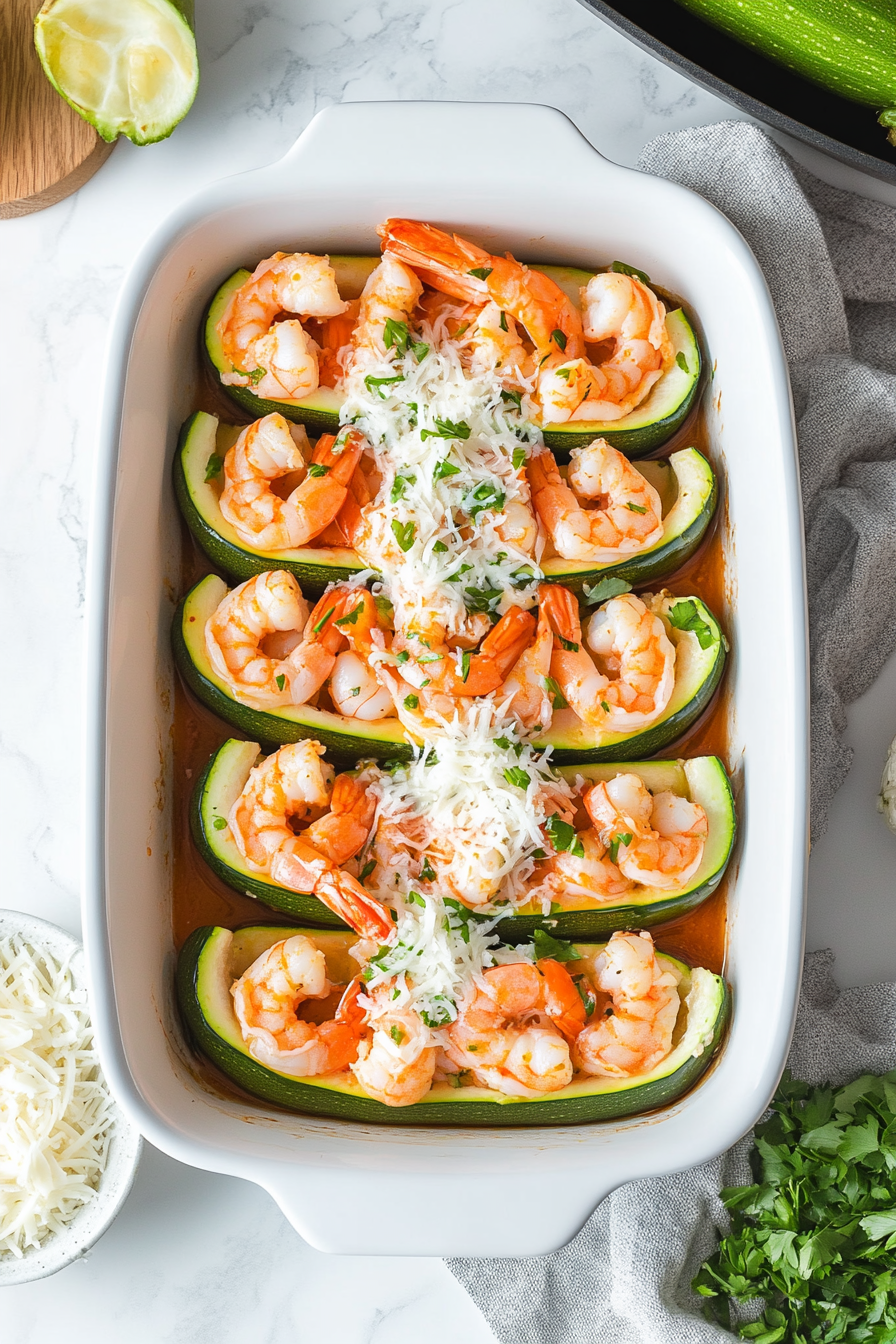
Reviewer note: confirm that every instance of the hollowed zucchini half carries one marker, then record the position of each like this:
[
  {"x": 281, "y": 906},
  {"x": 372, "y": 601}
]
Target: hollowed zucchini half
[
  {"x": 198, "y": 493},
  {"x": 646, "y": 428},
  {"x": 702, "y": 779},
  {"x": 685, "y": 482},
  {"x": 698, "y": 672},
  {"x": 212, "y": 958}
]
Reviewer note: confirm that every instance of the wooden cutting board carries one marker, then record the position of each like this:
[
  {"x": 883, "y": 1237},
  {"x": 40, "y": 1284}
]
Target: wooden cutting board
[{"x": 46, "y": 150}]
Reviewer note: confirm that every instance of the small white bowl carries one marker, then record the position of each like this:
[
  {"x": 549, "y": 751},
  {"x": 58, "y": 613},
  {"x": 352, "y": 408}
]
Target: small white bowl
[{"x": 88, "y": 1225}]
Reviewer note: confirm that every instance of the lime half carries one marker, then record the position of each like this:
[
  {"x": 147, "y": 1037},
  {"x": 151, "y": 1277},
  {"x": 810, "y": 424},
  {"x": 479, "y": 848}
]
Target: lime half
[{"x": 129, "y": 67}]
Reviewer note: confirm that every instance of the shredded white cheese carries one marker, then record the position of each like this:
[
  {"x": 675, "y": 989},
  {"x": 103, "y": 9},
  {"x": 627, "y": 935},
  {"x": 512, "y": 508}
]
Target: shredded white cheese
[
  {"x": 56, "y": 1116},
  {"x": 452, "y": 525}
]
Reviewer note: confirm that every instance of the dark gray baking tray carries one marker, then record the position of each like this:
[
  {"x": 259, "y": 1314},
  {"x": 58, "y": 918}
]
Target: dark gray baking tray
[{"x": 769, "y": 92}]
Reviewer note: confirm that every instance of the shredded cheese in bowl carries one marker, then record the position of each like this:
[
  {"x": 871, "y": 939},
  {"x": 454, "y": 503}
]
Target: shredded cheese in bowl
[{"x": 56, "y": 1115}]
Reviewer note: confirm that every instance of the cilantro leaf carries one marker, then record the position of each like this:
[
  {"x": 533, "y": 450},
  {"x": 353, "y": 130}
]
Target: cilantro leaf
[
  {"x": 213, "y": 466},
  {"x": 604, "y": 589},
  {"x": 515, "y": 774},
  {"x": 316, "y": 469},
  {"x": 557, "y": 949},
  {"x": 682, "y": 362},
  {"x": 481, "y": 272},
  {"x": 404, "y": 533},
  {"x": 621, "y": 269},
  {"x": 563, "y": 837},
  {"x": 444, "y": 468},
  {"x": 447, "y": 429},
  {"x": 685, "y": 616},
  {"x": 396, "y": 336}
]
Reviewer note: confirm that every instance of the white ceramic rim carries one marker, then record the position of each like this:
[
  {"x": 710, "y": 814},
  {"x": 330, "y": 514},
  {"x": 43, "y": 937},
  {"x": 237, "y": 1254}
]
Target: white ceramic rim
[
  {"x": 420, "y": 1167},
  {"x": 86, "y": 1228}
]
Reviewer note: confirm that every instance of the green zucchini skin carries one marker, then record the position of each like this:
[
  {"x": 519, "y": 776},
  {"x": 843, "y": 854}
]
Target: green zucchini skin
[
  {"x": 702, "y": 779},
  {"x": 386, "y": 739},
  {"x": 201, "y": 436},
  {"x": 846, "y": 46},
  {"x": 210, "y": 1037},
  {"x": 641, "y": 432}
]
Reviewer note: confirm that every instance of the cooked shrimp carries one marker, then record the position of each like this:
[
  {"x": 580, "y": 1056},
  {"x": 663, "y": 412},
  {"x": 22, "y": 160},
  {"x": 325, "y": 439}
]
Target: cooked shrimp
[
  {"x": 460, "y": 268},
  {"x": 266, "y": 999},
  {"x": 293, "y": 282},
  {"x": 664, "y": 835},
  {"x": 636, "y": 1034},
  {"x": 514, "y": 1034},
  {"x": 430, "y": 662},
  {"x": 622, "y": 309},
  {"x": 356, "y": 691},
  {"x": 234, "y": 635},
  {"x": 267, "y": 451},
  {"x": 396, "y": 1057},
  {"x": 635, "y": 653},
  {"x": 582, "y": 685},
  {"x": 526, "y": 683},
  {"x": 592, "y": 873},
  {"x": 628, "y": 516},
  {"x": 293, "y": 783},
  {"x": 496, "y": 345},
  {"x": 391, "y": 294}
]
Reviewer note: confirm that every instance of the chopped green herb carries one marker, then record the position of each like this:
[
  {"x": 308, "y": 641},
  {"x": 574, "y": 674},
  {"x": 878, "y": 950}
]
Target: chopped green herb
[
  {"x": 565, "y": 374},
  {"x": 404, "y": 533},
  {"x": 555, "y": 948},
  {"x": 213, "y": 466},
  {"x": 482, "y": 599},
  {"x": 515, "y": 774},
  {"x": 317, "y": 469},
  {"x": 396, "y": 1033},
  {"x": 559, "y": 337},
  {"x": 512, "y": 398},
  {"x": 350, "y": 617},
  {"x": 220, "y": 823},
  {"x": 396, "y": 336},
  {"x": 604, "y": 706},
  {"x": 539, "y": 854},
  {"x": 444, "y": 468},
  {"x": 396, "y": 994},
  {"x": 560, "y": 700},
  {"x": 569, "y": 644},
  {"x": 624, "y": 838},
  {"x": 439, "y": 548},
  {"x": 403, "y": 657},
  {"x": 481, "y": 272},
  {"x": 323, "y": 620},
  {"x": 429, "y": 658},
  {"x": 586, "y": 994},
  {"x": 685, "y": 616},
  {"x": 604, "y": 589},
  {"x": 635, "y": 508},
  {"x": 503, "y": 742},
  {"x": 280, "y": 679},
  {"x": 367, "y": 869},
  {"x": 416, "y": 899},
  {"x": 621, "y": 269},
  {"x": 425, "y": 683},
  {"x": 356, "y": 690},
  {"x": 441, "y": 1010},
  {"x": 384, "y": 606},
  {"x": 682, "y": 362},
  {"x": 427, "y": 872},
  {"x": 400, "y": 484},
  {"x": 465, "y": 664},
  {"x": 447, "y": 429},
  {"x": 814, "y": 1239},
  {"x": 457, "y": 1079},
  {"x": 485, "y": 496},
  {"x": 411, "y": 701},
  {"x": 460, "y": 331},
  {"x": 503, "y": 322},
  {"x": 563, "y": 837},
  {"x": 420, "y": 350},
  {"x": 518, "y": 458},
  {"x": 377, "y": 384}
]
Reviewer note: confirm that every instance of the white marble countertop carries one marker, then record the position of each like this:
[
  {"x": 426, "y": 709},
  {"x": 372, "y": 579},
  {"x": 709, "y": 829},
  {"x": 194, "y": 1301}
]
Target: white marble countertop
[{"x": 196, "y": 1257}]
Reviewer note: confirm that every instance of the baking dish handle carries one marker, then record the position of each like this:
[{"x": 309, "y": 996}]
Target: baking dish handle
[
  {"x": 447, "y": 145},
  {"x": 434, "y": 1213}
]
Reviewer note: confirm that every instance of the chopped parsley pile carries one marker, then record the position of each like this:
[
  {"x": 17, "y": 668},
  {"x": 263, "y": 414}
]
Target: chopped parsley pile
[{"x": 816, "y": 1237}]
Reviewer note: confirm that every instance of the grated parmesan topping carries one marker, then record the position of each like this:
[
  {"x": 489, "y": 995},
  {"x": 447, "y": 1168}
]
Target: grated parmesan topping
[
  {"x": 56, "y": 1116},
  {"x": 457, "y": 503}
]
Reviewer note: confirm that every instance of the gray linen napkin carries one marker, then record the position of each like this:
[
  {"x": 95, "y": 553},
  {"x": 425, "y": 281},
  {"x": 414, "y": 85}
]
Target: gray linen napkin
[
  {"x": 625, "y": 1279},
  {"x": 830, "y": 261}
]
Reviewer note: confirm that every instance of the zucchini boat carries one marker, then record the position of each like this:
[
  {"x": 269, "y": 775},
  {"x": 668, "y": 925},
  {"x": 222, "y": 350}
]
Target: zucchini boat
[
  {"x": 212, "y": 958},
  {"x": 685, "y": 482},
  {"x": 198, "y": 485},
  {"x": 702, "y": 780},
  {"x": 646, "y": 428},
  {"x": 698, "y": 672}
]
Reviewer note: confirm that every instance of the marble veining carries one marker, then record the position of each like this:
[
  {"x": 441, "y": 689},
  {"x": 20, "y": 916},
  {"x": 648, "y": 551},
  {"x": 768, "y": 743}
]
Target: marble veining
[{"x": 198, "y": 1257}]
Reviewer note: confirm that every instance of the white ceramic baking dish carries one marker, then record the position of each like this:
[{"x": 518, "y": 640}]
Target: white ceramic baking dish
[{"x": 517, "y": 177}]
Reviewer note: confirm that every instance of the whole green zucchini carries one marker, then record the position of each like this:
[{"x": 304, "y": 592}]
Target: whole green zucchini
[{"x": 846, "y": 46}]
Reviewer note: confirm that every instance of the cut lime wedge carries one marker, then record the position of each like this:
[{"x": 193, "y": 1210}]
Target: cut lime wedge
[{"x": 129, "y": 67}]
